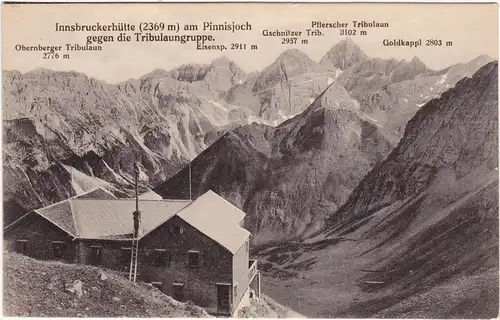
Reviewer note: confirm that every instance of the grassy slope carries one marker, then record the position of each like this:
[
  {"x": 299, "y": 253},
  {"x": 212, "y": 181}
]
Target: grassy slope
[{"x": 40, "y": 288}]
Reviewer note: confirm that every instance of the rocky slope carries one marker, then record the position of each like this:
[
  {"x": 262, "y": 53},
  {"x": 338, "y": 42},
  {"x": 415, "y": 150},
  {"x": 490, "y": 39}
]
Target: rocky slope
[
  {"x": 54, "y": 289},
  {"x": 418, "y": 236},
  {"x": 287, "y": 178},
  {"x": 283, "y": 89}
]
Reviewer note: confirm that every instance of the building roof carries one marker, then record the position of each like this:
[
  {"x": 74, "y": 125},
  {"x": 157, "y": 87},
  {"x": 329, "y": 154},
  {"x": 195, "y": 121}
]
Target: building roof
[
  {"x": 60, "y": 214},
  {"x": 110, "y": 218},
  {"x": 97, "y": 214},
  {"x": 218, "y": 219},
  {"x": 96, "y": 193}
]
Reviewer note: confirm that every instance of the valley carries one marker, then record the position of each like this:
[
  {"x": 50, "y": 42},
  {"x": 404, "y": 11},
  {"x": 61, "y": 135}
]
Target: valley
[{"x": 418, "y": 236}]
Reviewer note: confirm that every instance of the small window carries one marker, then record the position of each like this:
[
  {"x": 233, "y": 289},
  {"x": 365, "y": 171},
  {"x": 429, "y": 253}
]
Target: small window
[
  {"x": 178, "y": 291},
  {"x": 95, "y": 255},
  {"x": 178, "y": 230},
  {"x": 235, "y": 291},
  {"x": 22, "y": 247},
  {"x": 194, "y": 258},
  {"x": 58, "y": 248},
  {"x": 248, "y": 247},
  {"x": 96, "y": 251},
  {"x": 162, "y": 258}
]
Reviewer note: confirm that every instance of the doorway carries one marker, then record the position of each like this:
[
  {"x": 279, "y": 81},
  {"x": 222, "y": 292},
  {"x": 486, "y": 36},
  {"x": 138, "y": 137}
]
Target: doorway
[{"x": 223, "y": 297}]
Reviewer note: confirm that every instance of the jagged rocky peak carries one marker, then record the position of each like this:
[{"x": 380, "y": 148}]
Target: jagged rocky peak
[
  {"x": 343, "y": 55},
  {"x": 290, "y": 63},
  {"x": 416, "y": 61},
  {"x": 292, "y": 54},
  {"x": 226, "y": 72},
  {"x": 415, "y": 67},
  {"x": 218, "y": 76},
  {"x": 39, "y": 91},
  {"x": 190, "y": 72}
]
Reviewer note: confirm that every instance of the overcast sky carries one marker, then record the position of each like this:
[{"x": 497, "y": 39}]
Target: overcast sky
[{"x": 471, "y": 27}]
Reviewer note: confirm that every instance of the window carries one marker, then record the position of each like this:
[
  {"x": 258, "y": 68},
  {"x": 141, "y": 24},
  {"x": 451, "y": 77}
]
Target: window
[
  {"x": 125, "y": 257},
  {"x": 162, "y": 258},
  {"x": 248, "y": 247},
  {"x": 95, "y": 255},
  {"x": 178, "y": 230},
  {"x": 235, "y": 291},
  {"x": 178, "y": 291},
  {"x": 22, "y": 246},
  {"x": 193, "y": 258},
  {"x": 58, "y": 248},
  {"x": 96, "y": 251}
]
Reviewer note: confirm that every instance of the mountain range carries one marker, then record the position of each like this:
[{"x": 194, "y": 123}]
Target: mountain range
[
  {"x": 299, "y": 134},
  {"x": 289, "y": 178}
]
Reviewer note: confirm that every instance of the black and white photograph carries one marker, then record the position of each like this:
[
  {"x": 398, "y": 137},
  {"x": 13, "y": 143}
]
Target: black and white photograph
[{"x": 250, "y": 160}]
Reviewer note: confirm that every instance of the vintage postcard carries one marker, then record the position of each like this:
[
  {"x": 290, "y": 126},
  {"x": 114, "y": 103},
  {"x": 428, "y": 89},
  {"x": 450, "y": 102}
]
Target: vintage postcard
[{"x": 255, "y": 160}]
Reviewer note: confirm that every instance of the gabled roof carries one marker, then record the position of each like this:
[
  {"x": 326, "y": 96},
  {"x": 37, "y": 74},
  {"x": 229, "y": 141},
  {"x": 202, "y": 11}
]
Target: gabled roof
[
  {"x": 96, "y": 193},
  {"x": 57, "y": 213},
  {"x": 61, "y": 213},
  {"x": 218, "y": 219}
]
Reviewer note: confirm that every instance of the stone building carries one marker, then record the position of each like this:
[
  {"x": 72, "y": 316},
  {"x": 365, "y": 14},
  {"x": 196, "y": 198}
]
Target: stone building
[{"x": 191, "y": 250}]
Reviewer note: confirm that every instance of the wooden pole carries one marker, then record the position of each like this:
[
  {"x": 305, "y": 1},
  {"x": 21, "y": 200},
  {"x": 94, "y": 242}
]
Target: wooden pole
[
  {"x": 190, "y": 189},
  {"x": 136, "y": 171}
]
